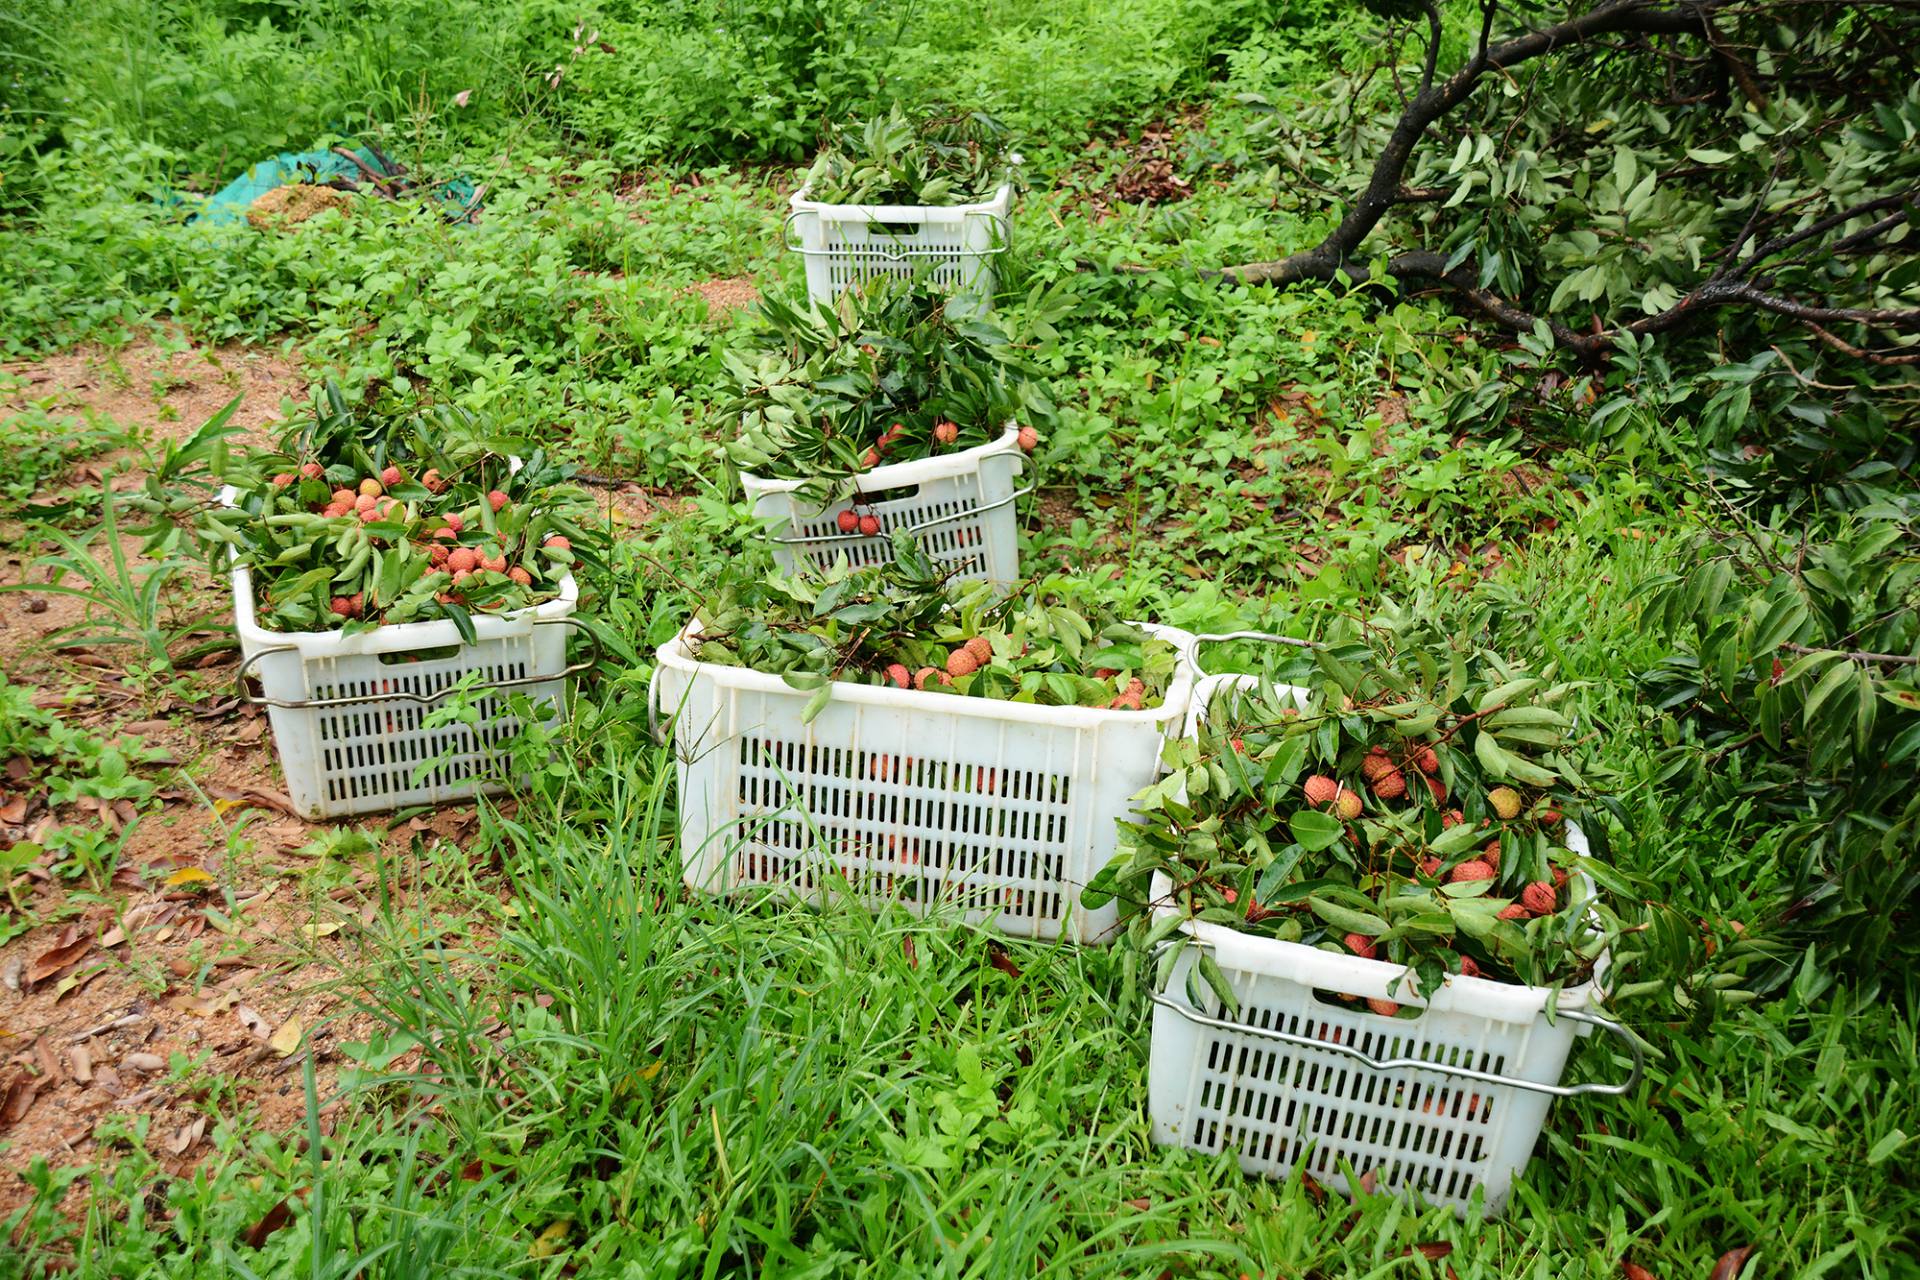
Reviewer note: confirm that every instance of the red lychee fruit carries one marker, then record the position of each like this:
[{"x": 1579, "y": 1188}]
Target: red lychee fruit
[
  {"x": 312, "y": 470},
  {"x": 946, "y": 432},
  {"x": 365, "y": 502},
  {"x": 848, "y": 521},
  {"x": 1512, "y": 911},
  {"x": 282, "y": 480},
  {"x": 558, "y": 543},
  {"x": 929, "y": 675},
  {"x": 1320, "y": 789},
  {"x": 1347, "y": 805},
  {"x": 463, "y": 560},
  {"x": 1434, "y": 788},
  {"x": 456, "y": 522},
  {"x": 437, "y": 554},
  {"x": 344, "y": 497},
  {"x": 447, "y": 534},
  {"x": 1385, "y": 1008},
  {"x": 496, "y": 499},
  {"x": 1390, "y": 785},
  {"x": 494, "y": 564},
  {"x": 1029, "y": 439},
  {"x": 371, "y": 488},
  {"x": 431, "y": 479},
  {"x": 1426, "y": 760},
  {"x": 898, "y": 674},
  {"x": 461, "y": 575},
  {"x": 520, "y": 576},
  {"x": 1550, "y": 817},
  {"x": 391, "y": 477},
  {"x": 1238, "y": 744},
  {"x": 1559, "y": 877},
  {"x": 1361, "y": 945},
  {"x": 869, "y": 526},
  {"x": 342, "y": 606},
  {"x": 1375, "y": 763},
  {"x": 1452, "y": 818},
  {"x": 1469, "y": 968},
  {"x": 1505, "y": 801},
  {"x": 870, "y": 459},
  {"x": 961, "y": 663},
  {"x": 1539, "y": 898},
  {"x": 982, "y": 649},
  {"x": 1430, "y": 866},
  {"x": 1470, "y": 871},
  {"x": 1128, "y": 701}
]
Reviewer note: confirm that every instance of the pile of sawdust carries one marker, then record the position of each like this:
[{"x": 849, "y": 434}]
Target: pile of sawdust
[{"x": 293, "y": 204}]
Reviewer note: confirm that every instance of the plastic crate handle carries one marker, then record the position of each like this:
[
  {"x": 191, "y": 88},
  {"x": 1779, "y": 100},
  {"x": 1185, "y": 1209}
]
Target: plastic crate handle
[
  {"x": 1200, "y": 1018},
  {"x": 1003, "y": 237},
  {"x": 917, "y": 527},
  {"x": 1192, "y": 652},
  {"x": 425, "y": 699}
]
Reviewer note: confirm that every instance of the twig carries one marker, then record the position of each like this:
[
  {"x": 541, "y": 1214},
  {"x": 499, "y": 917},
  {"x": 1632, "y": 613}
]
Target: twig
[{"x": 1858, "y": 655}]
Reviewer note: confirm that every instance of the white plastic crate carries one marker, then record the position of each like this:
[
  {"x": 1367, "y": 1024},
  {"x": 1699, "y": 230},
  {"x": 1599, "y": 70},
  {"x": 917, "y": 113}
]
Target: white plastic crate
[
  {"x": 846, "y": 245},
  {"x": 1003, "y": 810},
  {"x": 349, "y": 711},
  {"x": 959, "y": 506},
  {"x": 1445, "y": 1104}
]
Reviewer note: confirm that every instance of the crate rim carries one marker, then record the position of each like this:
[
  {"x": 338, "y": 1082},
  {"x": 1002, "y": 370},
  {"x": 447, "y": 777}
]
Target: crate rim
[
  {"x": 894, "y": 475},
  {"x": 996, "y": 204},
  {"x": 676, "y": 654}
]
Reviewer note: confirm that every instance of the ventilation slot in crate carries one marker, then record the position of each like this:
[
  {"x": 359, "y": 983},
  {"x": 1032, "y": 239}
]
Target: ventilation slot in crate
[{"x": 987, "y": 839}]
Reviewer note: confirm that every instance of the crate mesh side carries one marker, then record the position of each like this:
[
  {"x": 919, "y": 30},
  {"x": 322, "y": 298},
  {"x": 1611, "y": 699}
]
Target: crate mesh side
[
  {"x": 370, "y": 754},
  {"x": 941, "y": 250},
  {"x": 1266, "y": 1102},
  {"x": 989, "y": 838},
  {"x": 959, "y": 545}
]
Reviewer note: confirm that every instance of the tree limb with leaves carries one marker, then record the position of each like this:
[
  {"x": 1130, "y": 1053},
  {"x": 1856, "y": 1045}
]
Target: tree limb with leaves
[{"x": 1667, "y": 161}]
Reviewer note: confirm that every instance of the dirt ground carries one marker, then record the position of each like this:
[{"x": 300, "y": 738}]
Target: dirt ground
[{"x": 191, "y": 987}]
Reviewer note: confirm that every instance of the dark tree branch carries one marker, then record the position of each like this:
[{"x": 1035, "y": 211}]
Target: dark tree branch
[
  {"x": 1332, "y": 256},
  {"x": 1735, "y": 280},
  {"x": 1433, "y": 47}
]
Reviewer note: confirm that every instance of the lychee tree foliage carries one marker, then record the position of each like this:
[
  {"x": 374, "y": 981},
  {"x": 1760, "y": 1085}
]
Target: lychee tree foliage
[
  {"x": 1412, "y": 807},
  {"x": 354, "y": 520},
  {"x": 1795, "y": 682},
  {"x": 940, "y": 155},
  {"x": 1047, "y": 642},
  {"x": 887, "y": 373}
]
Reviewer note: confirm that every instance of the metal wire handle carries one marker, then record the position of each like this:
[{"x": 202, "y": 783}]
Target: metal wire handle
[
  {"x": 935, "y": 522},
  {"x": 1200, "y": 1018},
  {"x": 425, "y": 699},
  {"x": 1004, "y": 236}
]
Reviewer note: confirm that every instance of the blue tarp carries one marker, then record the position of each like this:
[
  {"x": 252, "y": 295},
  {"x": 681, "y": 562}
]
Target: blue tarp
[{"x": 323, "y": 168}]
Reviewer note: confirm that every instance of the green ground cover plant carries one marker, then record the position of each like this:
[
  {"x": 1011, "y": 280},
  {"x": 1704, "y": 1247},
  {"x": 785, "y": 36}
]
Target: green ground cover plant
[{"x": 560, "y": 1062}]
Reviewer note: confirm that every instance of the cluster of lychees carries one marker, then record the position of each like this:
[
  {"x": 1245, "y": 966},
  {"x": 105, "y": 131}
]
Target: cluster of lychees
[{"x": 866, "y": 524}]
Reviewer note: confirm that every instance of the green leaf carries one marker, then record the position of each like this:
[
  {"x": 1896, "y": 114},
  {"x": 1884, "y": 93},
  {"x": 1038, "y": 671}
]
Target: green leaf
[
  {"x": 1346, "y": 919},
  {"x": 1314, "y": 830}
]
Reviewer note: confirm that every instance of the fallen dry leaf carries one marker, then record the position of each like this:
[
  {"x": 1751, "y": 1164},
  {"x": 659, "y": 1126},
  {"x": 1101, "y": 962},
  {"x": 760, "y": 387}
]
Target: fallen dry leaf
[
  {"x": 287, "y": 1038},
  {"x": 906, "y": 949},
  {"x": 250, "y": 1018},
  {"x": 189, "y": 1134},
  {"x": 552, "y": 1240},
  {"x": 80, "y": 1062},
  {"x": 255, "y": 796},
  {"x": 1002, "y": 961},
  {"x": 271, "y": 1221},
  {"x": 188, "y": 875},
  {"x": 67, "y": 949},
  {"x": 16, "y": 1099},
  {"x": 1142, "y": 1204},
  {"x": 144, "y": 1063},
  {"x": 44, "y": 1059},
  {"x": 1732, "y": 1262},
  {"x": 14, "y": 811}
]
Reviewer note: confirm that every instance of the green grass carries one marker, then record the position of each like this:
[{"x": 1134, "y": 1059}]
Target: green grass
[{"x": 582, "y": 1068}]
